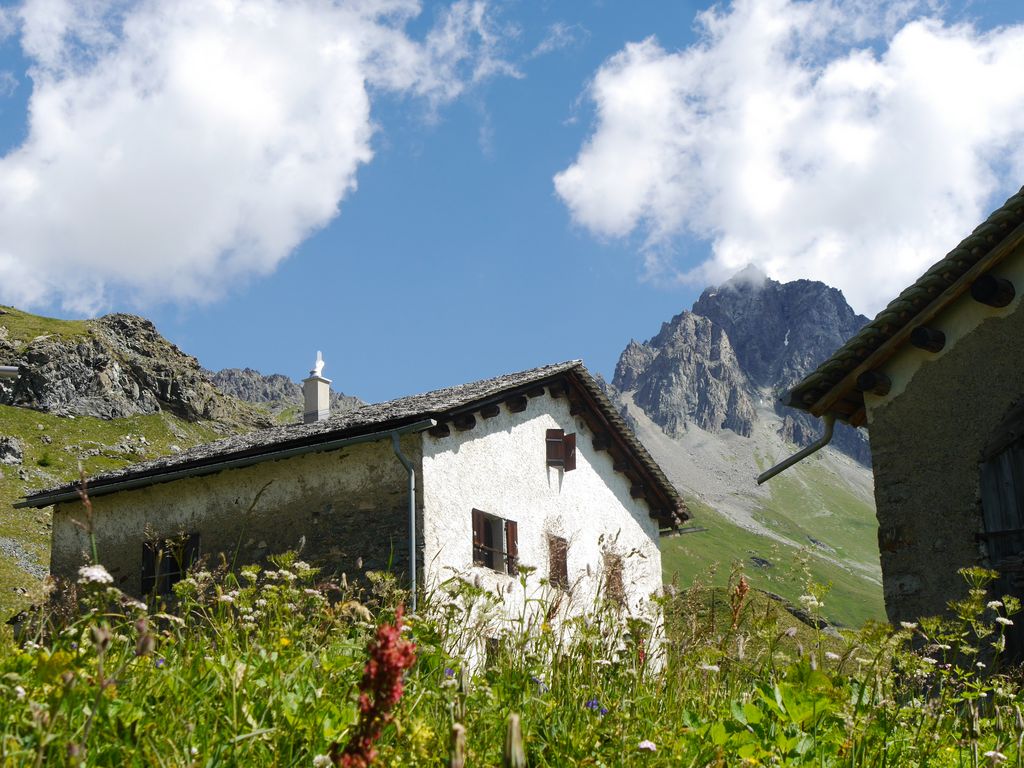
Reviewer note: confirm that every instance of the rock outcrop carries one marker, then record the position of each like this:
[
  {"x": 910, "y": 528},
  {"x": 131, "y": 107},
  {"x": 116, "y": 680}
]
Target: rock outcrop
[
  {"x": 745, "y": 341},
  {"x": 118, "y": 366},
  {"x": 276, "y": 391},
  {"x": 12, "y": 452},
  {"x": 688, "y": 373}
]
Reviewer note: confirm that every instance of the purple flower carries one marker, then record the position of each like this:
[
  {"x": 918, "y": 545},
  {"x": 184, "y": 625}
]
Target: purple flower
[
  {"x": 541, "y": 685},
  {"x": 595, "y": 706},
  {"x": 449, "y": 672},
  {"x": 159, "y": 663},
  {"x": 646, "y": 746}
]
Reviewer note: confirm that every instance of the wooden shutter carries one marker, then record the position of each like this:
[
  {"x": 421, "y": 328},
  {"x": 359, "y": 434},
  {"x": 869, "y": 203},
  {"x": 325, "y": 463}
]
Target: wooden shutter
[
  {"x": 558, "y": 562},
  {"x": 556, "y": 447},
  {"x": 479, "y": 524},
  {"x": 569, "y": 452},
  {"x": 512, "y": 546}
]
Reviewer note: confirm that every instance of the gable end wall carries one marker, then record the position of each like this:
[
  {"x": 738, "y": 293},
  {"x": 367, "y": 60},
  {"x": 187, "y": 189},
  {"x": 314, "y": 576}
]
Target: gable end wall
[
  {"x": 927, "y": 438},
  {"x": 500, "y": 467}
]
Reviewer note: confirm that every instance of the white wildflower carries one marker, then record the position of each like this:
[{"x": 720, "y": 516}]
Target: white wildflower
[
  {"x": 322, "y": 761},
  {"x": 832, "y": 656},
  {"x": 19, "y": 692},
  {"x": 286, "y": 575},
  {"x": 810, "y": 602},
  {"x": 944, "y": 646},
  {"x": 225, "y": 599},
  {"x": 301, "y": 566},
  {"x": 261, "y": 603},
  {"x": 710, "y": 667},
  {"x": 980, "y": 664},
  {"x": 928, "y": 660},
  {"x": 995, "y": 757},
  {"x": 647, "y": 746},
  {"x": 94, "y": 574},
  {"x": 1004, "y": 621},
  {"x": 995, "y": 604},
  {"x": 911, "y": 625}
]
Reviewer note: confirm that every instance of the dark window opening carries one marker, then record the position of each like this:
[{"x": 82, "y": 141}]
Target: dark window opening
[
  {"x": 561, "y": 449},
  {"x": 165, "y": 563},
  {"x": 495, "y": 542},
  {"x": 558, "y": 562}
]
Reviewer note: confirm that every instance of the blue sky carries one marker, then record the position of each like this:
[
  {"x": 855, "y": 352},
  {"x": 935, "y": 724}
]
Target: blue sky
[{"x": 433, "y": 195}]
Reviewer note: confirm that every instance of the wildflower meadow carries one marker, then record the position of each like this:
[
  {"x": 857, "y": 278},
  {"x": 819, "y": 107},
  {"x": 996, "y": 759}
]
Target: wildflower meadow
[{"x": 280, "y": 667}]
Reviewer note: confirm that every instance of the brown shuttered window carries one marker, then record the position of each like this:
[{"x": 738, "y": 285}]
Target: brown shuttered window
[
  {"x": 495, "y": 542},
  {"x": 569, "y": 450},
  {"x": 558, "y": 562},
  {"x": 511, "y": 547},
  {"x": 556, "y": 453},
  {"x": 561, "y": 449}
]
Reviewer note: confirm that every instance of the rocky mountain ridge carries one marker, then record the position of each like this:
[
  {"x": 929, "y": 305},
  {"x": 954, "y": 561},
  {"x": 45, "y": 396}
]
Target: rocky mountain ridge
[
  {"x": 112, "y": 367},
  {"x": 740, "y": 346}
]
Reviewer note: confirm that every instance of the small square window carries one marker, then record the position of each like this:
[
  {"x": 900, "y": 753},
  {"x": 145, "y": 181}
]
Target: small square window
[
  {"x": 164, "y": 563},
  {"x": 495, "y": 542},
  {"x": 561, "y": 449}
]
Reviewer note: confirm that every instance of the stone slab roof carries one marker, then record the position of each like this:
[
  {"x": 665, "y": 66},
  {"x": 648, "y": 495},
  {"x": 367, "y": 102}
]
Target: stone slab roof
[
  {"x": 441, "y": 405},
  {"x": 901, "y": 313}
]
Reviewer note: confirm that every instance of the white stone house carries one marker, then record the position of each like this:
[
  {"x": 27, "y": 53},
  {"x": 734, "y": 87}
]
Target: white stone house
[{"x": 529, "y": 469}]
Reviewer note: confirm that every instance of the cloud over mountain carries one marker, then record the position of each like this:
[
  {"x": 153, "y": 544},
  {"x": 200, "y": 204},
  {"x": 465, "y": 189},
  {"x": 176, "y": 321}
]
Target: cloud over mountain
[
  {"x": 174, "y": 148},
  {"x": 849, "y": 142}
]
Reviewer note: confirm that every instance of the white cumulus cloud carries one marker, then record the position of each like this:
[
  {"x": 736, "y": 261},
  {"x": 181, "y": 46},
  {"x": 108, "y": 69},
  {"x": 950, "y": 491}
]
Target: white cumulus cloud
[
  {"x": 850, "y": 142},
  {"x": 176, "y": 147}
]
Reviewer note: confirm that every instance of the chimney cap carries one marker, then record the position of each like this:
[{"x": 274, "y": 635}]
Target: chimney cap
[{"x": 318, "y": 367}]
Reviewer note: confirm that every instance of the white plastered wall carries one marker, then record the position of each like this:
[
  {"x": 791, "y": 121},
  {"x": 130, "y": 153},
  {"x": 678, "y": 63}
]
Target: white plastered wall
[{"x": 500, "y": 467}]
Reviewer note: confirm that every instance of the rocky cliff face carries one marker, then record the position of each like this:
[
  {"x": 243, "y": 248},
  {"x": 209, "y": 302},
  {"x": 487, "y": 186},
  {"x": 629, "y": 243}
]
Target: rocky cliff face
[
  {"x": 117, "y": 366},
  {"x": 686, "y": 374},
  {"x": 276, "y": 391},
  {"x": 743, "y": 342}
]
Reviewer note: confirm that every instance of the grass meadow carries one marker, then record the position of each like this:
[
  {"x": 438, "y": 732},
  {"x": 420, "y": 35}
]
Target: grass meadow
[{"x": 279, "y": 667}]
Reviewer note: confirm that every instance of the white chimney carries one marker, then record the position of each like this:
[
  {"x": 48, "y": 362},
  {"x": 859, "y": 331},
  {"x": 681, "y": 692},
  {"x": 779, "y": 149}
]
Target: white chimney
[{"x": 316, "y": 392}]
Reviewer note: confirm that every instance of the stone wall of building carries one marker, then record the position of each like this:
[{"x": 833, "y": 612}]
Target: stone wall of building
[
  {"x": 927, "y": 440},
  {"x": 346, "y": 508}
]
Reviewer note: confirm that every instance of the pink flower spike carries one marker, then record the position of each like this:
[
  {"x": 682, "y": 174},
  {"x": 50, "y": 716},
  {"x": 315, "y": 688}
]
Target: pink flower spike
[{"x": 647, "y": 746}]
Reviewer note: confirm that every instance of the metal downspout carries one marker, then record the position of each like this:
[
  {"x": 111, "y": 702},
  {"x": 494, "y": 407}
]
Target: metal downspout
[
  {"x": 412, "y": 516},
  {"x": 821, "y": 442}
]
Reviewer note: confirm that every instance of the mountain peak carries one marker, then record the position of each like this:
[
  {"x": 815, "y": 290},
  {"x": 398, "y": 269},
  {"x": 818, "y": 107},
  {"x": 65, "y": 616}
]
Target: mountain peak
[{"x": 751, "y": 277}]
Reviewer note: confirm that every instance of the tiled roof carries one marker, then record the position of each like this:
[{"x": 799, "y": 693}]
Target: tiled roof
[
  {"x": 441, "y": 404},
  {"x": 905, "y": 308}
]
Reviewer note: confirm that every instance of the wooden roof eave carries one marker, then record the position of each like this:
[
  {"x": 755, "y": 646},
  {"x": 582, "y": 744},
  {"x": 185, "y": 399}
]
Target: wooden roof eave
[
  {"x": 847, "y": 385},
  {"x": 662, "y": 505}
]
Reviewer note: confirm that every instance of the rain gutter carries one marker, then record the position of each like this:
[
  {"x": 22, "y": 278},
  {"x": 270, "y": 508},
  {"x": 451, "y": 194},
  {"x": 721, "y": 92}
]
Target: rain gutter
[
  {"x": 817, "y": 445},
  {"x": 411, "y": 469}
]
